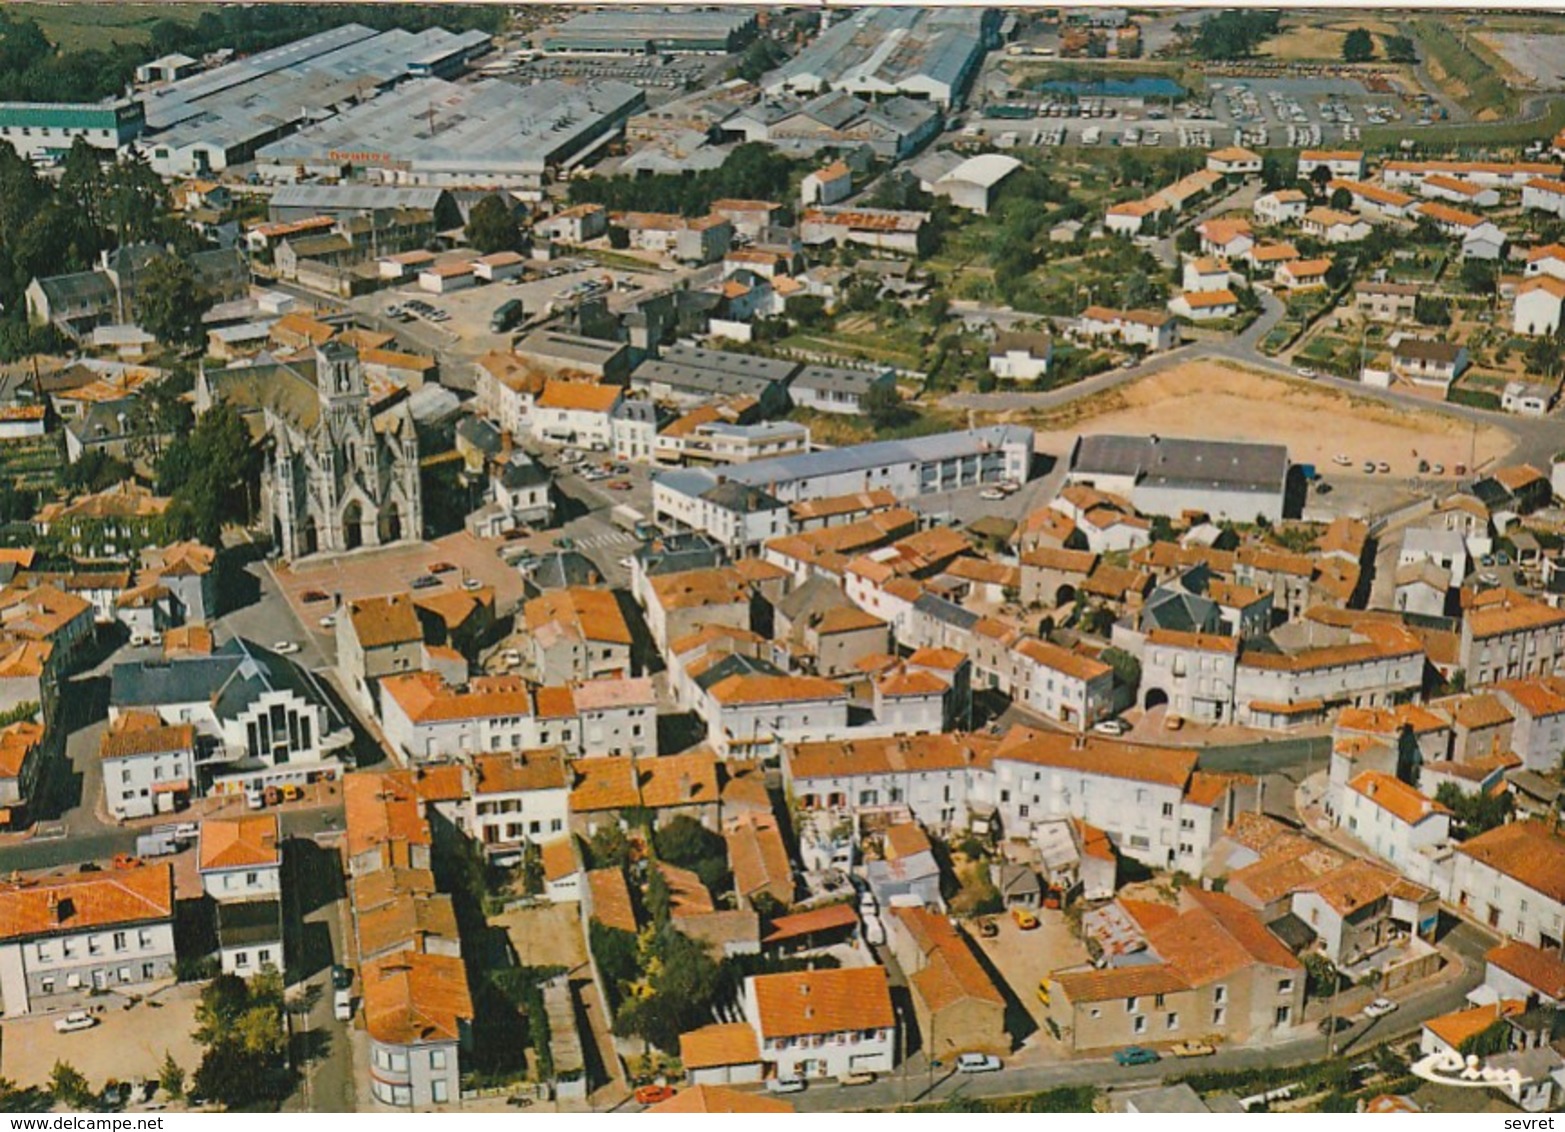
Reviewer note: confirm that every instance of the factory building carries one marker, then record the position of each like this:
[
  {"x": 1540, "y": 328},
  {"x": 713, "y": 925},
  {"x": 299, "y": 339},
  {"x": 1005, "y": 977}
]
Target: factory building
[{"x": 652, "y": 31}]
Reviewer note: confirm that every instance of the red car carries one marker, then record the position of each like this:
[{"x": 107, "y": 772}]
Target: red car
[
  {"x": 654, "y": 1094},
  {"x": 441, "y": 568},
  {"x": 620, "y": 485}
]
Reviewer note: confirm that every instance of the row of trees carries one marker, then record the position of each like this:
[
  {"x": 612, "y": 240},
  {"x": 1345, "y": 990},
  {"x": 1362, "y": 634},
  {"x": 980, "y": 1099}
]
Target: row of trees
[{"x": 752, "y": 172}]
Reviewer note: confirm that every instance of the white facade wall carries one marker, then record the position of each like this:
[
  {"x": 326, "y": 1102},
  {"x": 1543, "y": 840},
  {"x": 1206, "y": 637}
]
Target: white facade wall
[
  {"x": 1505, "y": 904},
  {"x": 1392, "y": 839},
  {"x": 414, "y": 1075},
  {"x": 1199, "y": 683},
  {"x": 823, "y": 1055},
  {"x": 128, "y": 783},
  {"x": 263, "y": 882},
  {"x": 513, "y": 816},
  {"x": 42, "y": 973},
  {"x": 753, "y": 731},
  {"x": 1536, "y": 313}
]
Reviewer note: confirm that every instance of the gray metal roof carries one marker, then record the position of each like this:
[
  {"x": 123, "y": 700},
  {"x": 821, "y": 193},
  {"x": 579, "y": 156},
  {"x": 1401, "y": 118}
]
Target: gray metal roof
[
  {"x": 727, "y": 361},
  {"x": 737, "y": 664},
  {"x": 331, "y": 199},
  {"x": 231, "y": 679},
  {"x": 947, "y": 612},
  {"x": 855, "y": 381},
  {"x": 432, "y": 124},
  {"x": 889, "y": 46},
  {"x": 880, "y": 453},
  {"x": 1157, "y": 461}
]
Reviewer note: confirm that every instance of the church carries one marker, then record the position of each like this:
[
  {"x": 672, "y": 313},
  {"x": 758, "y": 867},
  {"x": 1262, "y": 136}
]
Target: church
[{"x": 342, "y": 467}]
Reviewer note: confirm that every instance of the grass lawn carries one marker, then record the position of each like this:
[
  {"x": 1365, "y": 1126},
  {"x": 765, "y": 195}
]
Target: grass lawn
[
  {"x": 1484, "y": 134},
  {"x": 77, "y": 27},
  {"x": 839, "y": 430},
  {"x": 884, "y": 345},
  {"x": 1466, "y": 70}
]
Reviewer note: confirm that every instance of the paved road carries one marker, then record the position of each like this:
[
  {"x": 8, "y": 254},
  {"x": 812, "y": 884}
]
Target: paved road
[{"x": 1445, "y": 994}]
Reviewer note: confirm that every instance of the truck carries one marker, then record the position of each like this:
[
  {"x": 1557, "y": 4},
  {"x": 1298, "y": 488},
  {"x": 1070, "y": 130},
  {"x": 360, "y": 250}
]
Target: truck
[
  {"x": 506, "y": 316},
  {"x": 160, "y": 841}
]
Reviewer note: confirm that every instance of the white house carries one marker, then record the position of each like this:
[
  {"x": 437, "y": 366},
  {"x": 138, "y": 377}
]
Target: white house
[
  {"x": 578, "y": 413},
  {"x": 1454, "y": 190},
  {"x": 240, "y": 862},
  {"x": 418, "y": 1013},
  {"x": 148, "y": 766},
  {"x": 1234, "y": 161},
  {"x": 1152, "y": 330},
  {"x": 442, "y": 279},
  {"x": 517, "y": 797},
  {"x": 1394, "y": 820},
  {"x": 827, "y": 185},
  {"x": 823, "y": 1023},
  {"x": 1063, "y": 685},
  {"x": 1280, "y": 207},
  {"x": 1204, "y": 306},
  {"x": 1345, "y": 163},
  {"x": 1542, "y": 194},
  {"x": 1512, "y": 880},
  {"x": 65, "y": 938},
  {"x": 1206, "y": 273},
  {"x": 1020, "y": 356},
  {"x": 1536, "y": 308}
]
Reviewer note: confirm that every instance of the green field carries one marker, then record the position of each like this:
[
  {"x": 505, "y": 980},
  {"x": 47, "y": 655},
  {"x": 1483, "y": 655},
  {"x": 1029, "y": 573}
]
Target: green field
[{"x": 76, "y": 27}]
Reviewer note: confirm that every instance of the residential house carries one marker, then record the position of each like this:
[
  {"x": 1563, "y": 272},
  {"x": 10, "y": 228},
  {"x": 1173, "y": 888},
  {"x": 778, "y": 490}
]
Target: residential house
[
  {"x": 956, "y": 1004},
  {"x": 1429, "y": 363},
  {"x": 149, "y": 767},
  {"x": 240, "y": 862},
  {"x": 577, "y": 634},
  {"x": 823, "y": 1023},
  {"x": 65, "y": 938}
]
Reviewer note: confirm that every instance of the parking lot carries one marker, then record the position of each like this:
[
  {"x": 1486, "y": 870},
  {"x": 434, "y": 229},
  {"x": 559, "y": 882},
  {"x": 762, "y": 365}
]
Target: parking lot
[
  {"x": 465, "y": 333},
  {"x": 313, "y": 589},
  {"x": 129, "y": 1041},
  {"x": 1025, "y": 958}
]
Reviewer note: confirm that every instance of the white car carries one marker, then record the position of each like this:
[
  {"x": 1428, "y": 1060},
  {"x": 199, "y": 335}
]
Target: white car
[
  {"x": 75, "y": 1020},
  {"x": 785, "y": 1084},
  {"x": 1342, "y": 460},
  {"x": 1111, "y": 727},
  {"x": 978, "y": 1063},
  {"x": 328, "y": 621},
  {"x": 991, "y": 493},
  {"x": 285, "y": 648},
  {"x": 472, "y": 584},
  {"x": 342, "y": 1005},
  {"x": 1305, "y": 371},
  {"x": 1379, "y": 1008}
]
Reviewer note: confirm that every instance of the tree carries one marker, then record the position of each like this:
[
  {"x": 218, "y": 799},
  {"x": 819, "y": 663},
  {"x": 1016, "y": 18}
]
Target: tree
[
  {"x": 492, "y": 226},
  {"x": 809, "y": 311},
  {"x": 884, "y": 406},
  {"x": 68, "y": 1087},
  {"x": 1127, "y": 669},
  {"x": 1474, "y": 813},
  {"x": 1320, "y": 177},
  {"x": 1431, "y": 310},
  {"x": 1358, "y": 46},
  {"x": 619, "y": 237},
  {"x": 240, "y": 1026},
  {"x": 1274, "y": 174},
  {"x": 171, "y": 301},
  {"x": 1338, "y": 274},
  {"x": 659, "y": 899},
  {"x": 213, "y": 474},
  {"x": 608, "y": 848},
  {"x": 94, "y": 472},
  {"x": 1341, "y": 200},
  {"x": 171, "y": 1078},
  {"x": 1477, "y": 277}
]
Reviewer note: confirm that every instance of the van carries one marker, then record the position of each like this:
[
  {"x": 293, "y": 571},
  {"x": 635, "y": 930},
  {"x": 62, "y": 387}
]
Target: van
[
  {"x": 342, "y": 1005},
  {"x": 255, "y": 800}
]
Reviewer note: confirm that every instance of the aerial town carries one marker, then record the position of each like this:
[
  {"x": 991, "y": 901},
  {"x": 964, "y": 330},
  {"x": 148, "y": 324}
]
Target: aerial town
[{"x": 764, "y": 559}]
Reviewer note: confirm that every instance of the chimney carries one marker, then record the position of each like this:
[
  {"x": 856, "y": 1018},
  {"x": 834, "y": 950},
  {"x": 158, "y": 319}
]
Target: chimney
[{"x": 686, "y": 789}]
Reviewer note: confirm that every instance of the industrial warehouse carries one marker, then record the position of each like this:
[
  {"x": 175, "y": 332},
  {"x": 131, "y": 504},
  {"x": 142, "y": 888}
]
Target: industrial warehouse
[
  {"x": 653, "y": 31},
  {"x": 205, "y": 123},
  {"x": 433, "y": 132}
]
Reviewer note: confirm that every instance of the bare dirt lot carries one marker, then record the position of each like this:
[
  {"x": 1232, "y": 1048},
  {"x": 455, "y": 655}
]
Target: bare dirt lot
[
  {"x": 545, "y": 936},
  {"x": 124, "y": 1045},
  {"x": 1315, "y": 422},
  {"x": 1024, "y": 959}
]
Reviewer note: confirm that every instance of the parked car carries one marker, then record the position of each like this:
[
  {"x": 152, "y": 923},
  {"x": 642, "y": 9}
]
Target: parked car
[
  {"x": 1333, "y": 1025},
  {"x": 1379, "y": 1008},
  {"x": 1383, "y": 468},
  {"x": 1024, "y": 919},
  {"x": 783, "y": 1085},
  {"x": 1111, "y": 727},
  {"x": 425, "y": 581},
  {"x": 1423, "y": 467},
  {"x": 978, "y": 1063},
  {"x": 1173, "y": 722},
  {"x": 1193, "y": 1049},
  {"x": 75, "y": 1020},
  {"x": 564, "y": 542},
  {"x": 1437, "y": 469},
  {"x": 619, "y": 485},
  {"x": 655, "y": 1094},
  {"x": 1369, "y": 467},
  {"x": 313, "y": 596},
  {"x": 341, "y": 977},
  {"x": 1342, "y": 460},
  {"x": 988, "y": 929},
  {"x": 1135, "y": 1055},
  {"x": 856, "y": 1079},
  {"x": 329, "y": 621},
  {"x": 472, "y": 584},
  {"x": 285, "y": 648},
  {"x": 442, "y": 567},
  {"x": 1306, "y": 371},
  {"x": 991, "y": 493},
  {"x": 342, "y": 1005}
]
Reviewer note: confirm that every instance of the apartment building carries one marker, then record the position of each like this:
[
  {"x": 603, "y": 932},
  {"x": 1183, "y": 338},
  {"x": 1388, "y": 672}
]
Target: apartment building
[{"x": 823, "y": 1023}]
